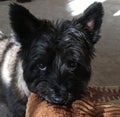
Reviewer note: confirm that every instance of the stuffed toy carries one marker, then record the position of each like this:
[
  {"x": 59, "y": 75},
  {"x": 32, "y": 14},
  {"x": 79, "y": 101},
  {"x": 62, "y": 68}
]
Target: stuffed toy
[{"x": 87, "y": 106}]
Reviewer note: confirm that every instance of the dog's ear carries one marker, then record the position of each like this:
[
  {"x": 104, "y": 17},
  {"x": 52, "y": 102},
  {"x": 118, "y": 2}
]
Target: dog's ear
[
  {"x": 23, "y": 23},
  {"x": 91, "y": 21}
]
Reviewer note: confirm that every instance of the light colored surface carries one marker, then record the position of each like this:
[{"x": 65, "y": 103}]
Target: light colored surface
[{"x": 75, "y": 8}]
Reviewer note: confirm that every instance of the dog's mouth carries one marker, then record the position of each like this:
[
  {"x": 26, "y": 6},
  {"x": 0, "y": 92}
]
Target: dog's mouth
[
  {"x": 56, "y": 98},
  {"x": 59, "y": 100},
  {"x": 56, "y": 95}
]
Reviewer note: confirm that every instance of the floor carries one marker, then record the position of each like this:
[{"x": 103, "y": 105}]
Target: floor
[{"x": 106, "y": 64}]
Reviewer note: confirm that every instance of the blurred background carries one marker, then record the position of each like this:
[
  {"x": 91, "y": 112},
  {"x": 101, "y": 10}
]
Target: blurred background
[{"x": 106, "y": 64}]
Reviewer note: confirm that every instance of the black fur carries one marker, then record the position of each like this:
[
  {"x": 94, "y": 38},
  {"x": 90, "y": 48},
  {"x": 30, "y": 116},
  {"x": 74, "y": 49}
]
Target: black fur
[{"x": 57, "y": 56}]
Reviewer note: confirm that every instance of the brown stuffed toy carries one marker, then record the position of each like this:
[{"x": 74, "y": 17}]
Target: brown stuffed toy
[{"x": 85, "y": 107}]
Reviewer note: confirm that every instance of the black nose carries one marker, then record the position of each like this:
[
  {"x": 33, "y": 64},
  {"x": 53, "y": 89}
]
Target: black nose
[{"x": 59, "y": 99}]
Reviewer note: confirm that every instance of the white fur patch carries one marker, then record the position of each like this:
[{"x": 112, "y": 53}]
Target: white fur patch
[
  {"x": 76, "y": 7},
  {"x": 21, "y": 83},
  {"x": 5, "y": 72},
  {"x": 8, "y": 65}
]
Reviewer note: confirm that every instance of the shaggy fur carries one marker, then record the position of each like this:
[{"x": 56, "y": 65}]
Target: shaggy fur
[{"x": 54, "y": 58}]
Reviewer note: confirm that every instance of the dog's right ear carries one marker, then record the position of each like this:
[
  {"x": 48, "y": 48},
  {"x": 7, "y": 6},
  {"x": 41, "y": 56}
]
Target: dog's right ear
[
  {"x": 23, "y": 23},
  {"x": 91, "y": 21}
]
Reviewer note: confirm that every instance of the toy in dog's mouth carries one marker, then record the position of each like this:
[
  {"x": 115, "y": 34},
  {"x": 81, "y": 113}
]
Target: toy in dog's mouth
[
  {"x": 83, "y": 107},
  {"x": 41, "y": 108}
]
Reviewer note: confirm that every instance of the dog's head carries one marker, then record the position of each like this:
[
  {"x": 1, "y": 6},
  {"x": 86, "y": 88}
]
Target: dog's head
[{"x": 57, "y": 56}]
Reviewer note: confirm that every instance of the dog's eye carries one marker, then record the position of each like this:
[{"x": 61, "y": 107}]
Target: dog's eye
[
  {"x": 72, "y": 64},
  {"x": 42, "y": 67}
]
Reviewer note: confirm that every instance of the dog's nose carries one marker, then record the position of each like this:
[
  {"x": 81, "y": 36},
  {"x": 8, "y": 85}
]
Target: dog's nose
[{"x": 57, "y": 99}]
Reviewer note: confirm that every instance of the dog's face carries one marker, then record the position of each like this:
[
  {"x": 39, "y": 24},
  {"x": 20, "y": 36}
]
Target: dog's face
[{"x": 56, "y": 56}]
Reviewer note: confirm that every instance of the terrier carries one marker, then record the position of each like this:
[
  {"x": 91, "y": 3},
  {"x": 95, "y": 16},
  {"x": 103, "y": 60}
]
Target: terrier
[{"x": 51, "y": 59}]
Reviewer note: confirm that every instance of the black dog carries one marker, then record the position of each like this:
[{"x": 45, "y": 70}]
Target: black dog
[{"x": 54, "y": 59}]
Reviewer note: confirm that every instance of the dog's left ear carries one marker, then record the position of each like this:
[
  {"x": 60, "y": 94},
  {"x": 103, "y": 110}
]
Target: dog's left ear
[
  {"x": 91, "y": 21},
  {"x": 23, "y": 23}
]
